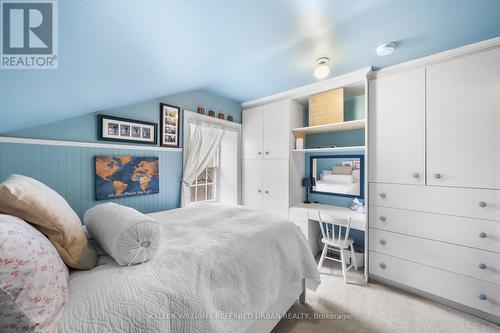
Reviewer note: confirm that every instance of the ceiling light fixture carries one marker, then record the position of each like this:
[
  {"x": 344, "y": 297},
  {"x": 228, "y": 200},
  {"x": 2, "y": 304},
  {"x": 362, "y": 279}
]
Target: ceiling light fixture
[
  {"x": 385, "y": 49},
  {"x": 322, "y": 70}
]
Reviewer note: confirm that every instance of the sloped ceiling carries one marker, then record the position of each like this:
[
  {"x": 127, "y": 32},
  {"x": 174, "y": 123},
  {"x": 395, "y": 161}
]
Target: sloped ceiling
[{"x": 117, "y": 52}]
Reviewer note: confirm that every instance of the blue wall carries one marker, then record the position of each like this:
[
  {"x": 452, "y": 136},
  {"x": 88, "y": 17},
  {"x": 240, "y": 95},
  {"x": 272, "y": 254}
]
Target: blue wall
[
  {"x": 70, "y": 170},
  {"x": 84, "y": 128}
]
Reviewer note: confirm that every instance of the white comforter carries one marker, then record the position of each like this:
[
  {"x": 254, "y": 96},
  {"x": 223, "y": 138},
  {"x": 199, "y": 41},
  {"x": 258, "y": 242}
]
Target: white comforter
[{"x": 215, "y": 261}]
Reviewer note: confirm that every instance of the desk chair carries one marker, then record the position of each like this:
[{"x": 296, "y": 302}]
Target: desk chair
[{"x": 332, "y": 230}]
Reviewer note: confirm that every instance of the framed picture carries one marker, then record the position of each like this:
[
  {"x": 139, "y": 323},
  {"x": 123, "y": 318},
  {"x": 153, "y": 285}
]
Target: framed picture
[
  {"x": 169, "y": 123},
  {"x": 127, "y": 130},
  {"x": 125, "y": 176}
]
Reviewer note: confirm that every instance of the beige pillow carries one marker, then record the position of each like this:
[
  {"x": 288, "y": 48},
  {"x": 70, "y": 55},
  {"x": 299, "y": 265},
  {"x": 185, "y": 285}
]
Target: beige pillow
[
  {"x": 43, "y": 207},
  {"x": 342, "y": 170}
]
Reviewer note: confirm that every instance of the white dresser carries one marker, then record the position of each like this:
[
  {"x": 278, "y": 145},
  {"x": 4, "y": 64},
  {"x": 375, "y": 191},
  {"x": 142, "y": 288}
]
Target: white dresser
[{"x": 434, "y": 180}]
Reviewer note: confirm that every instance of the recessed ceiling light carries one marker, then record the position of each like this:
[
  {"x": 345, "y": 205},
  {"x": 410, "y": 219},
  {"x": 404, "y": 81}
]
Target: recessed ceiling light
[
  {"x": 322, "y": 70},
  {"x": 386, "y": 49}
]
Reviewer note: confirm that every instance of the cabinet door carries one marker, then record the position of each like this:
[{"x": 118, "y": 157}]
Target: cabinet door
[
  {"x": 397, "y": 128},
  {"x": 252, "y": 133},
  {"x": 252, "y": 183},
  {"x": 275, "y": 186},
  {"x": 463, "y": 121},
  {"x": 276, "y": 139}
]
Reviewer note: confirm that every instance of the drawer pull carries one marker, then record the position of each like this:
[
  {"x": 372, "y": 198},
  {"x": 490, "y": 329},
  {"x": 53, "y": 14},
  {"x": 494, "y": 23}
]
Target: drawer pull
[
  {"x": 382, "y": 195},
  {"x": 482, "y": 235},
  {"x": 267, "y": 153},
  {"x": 260, "y": 153},
  {"x": 266, "y": 191},
  {"x": 482, "y": 297},
  {"x": 382, "y": 218},
  {"x": 382, "y": 265},
  {"x": 382, "y": 242},
  {"x": 437, "y": 176},
  {"x": 482, "y": 204},
  {"x": 416, "y": 175},
  {"x": 482, "y": 265},
  {"x": 260, "y": 191}
]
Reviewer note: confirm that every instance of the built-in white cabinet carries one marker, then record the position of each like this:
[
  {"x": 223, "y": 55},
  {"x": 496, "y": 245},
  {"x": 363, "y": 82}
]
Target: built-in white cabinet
[
  {"x": 265, "y": 185},
  {"x": 397, "y": 120},
  {"x": 252, "y": 133},
  {"x": 266, "y": 130},
  {"x": 267, "y": 141},
  {"x": 438, "y": 124},
  {"x": 463, "y": 121}
]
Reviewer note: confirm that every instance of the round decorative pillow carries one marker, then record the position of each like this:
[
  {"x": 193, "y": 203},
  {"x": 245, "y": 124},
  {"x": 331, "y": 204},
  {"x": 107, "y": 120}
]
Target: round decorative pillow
[
  {"x": 126, "y": 235},
  {"x": 33, "y": 279}
]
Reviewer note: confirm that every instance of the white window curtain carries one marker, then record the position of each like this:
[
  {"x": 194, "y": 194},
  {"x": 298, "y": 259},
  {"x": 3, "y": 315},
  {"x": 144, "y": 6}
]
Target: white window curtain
[{"x": 203, "y": 142}]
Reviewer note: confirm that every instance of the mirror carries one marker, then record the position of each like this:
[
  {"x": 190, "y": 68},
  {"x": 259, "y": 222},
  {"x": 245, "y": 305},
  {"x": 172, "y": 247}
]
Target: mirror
[{"x": 341, "y": 175}]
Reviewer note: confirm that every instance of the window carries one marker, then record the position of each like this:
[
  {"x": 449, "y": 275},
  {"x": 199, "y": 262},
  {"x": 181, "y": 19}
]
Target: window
[{"x": 204, "y": 187}]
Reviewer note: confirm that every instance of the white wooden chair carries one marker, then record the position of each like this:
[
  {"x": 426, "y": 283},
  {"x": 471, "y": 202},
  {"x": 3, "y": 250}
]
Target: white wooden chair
[{"x": 336, "y": 238}]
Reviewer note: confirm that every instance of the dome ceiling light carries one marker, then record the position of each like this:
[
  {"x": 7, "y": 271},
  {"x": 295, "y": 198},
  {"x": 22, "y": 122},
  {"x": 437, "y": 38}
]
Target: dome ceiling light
[{"x": 322, "y": 69}]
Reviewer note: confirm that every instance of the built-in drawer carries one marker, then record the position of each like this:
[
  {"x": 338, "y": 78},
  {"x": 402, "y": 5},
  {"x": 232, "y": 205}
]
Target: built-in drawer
[
  {"x": 479, "y": 264},
  {"x": 481, "y": 234},
  {"x": 481, "y": 295},
  {"x": 477, "y": 203}
]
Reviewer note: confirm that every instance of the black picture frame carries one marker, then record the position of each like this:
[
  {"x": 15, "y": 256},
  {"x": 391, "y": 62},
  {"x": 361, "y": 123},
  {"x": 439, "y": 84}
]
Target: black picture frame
[
  {"x": 169, "y": 125},
  {"x": 361, "y": 174},
  {"x": 124, "y": 126}
]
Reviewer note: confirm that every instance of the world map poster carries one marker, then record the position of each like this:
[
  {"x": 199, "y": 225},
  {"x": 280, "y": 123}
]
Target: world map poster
[{"x": 124, "y": 176}]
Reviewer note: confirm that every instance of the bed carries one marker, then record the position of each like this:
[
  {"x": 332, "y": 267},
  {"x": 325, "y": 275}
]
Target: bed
[{"x": 219, "y": 269}]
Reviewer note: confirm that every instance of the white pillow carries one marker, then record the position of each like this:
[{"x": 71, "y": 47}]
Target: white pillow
[
  {"x": 33, "y": 279},
  {"x": 126, "y": 235}
]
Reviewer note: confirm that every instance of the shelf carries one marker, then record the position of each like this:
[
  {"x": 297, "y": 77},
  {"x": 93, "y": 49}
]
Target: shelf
[
  {"x": 330, "y": 150},
  {"x": 345, "y": 126}
]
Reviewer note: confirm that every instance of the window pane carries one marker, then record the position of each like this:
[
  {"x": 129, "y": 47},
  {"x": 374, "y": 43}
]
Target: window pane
[
  {"x": 201, "y": 193},
  {"x": 210, "y": 175},
  {"x": 193, "y": 191},
  {"x": 210, "y": 193},
  {"x": 202, "y": 177}
]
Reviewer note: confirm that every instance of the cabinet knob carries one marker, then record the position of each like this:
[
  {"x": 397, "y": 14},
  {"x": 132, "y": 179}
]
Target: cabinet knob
[
  {"x": 382, "y": 218},
  {"x": 482, "y": 266},
  {"x": 416, "y": 175},
  {"x": 266, "y": 191},
  {"x": 382, "y": 242},
  {"x": 382, "y": 195},
  {"x": 482, "y": 297},
  {"x": 482, "y": 235},
  {"x": 437, "y": 176},
  {"x": 260, "y": 153},
  {"x": 260, "y": 191},
  {"x": 382, "y": 265},
  {"x": 482, "y": 204},
  {"x": 267, "y": 153}
]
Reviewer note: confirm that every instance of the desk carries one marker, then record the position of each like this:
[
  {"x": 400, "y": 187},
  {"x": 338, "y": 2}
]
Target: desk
[{"x": 305, "y": 216}]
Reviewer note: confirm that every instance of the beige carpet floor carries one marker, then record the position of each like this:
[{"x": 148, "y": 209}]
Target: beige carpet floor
[{"x": 373, "y": 307}]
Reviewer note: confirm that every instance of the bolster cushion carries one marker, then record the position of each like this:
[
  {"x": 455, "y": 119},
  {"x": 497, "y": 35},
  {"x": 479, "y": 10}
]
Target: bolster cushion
[
  {"x": 43, "y": 207},
  {"x": 126, "y": 235}
]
